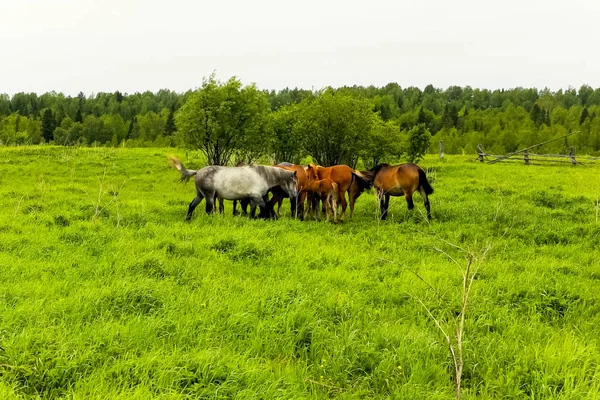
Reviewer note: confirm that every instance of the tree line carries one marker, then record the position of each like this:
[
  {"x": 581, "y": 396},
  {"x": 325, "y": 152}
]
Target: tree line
[{"x": 231, "y": 122}]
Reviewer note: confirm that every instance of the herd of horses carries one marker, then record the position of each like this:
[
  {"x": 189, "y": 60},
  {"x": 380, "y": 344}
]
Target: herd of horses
[{"x": 306, "y": 186}]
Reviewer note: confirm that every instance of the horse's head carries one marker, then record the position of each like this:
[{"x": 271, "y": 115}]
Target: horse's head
[
  {"x": 311, "y": 172},
  {"x": 289, "y": 183}
]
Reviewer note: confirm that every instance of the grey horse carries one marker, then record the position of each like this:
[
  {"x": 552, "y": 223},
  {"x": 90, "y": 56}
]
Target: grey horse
[{"x": 235, "y": 183}]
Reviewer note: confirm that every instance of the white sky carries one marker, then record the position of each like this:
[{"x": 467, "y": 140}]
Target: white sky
[{"x": 133, "y": 45}]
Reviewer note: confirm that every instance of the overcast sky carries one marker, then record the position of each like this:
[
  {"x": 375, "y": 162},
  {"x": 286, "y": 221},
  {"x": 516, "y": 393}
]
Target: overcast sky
[{"x": 129, "y": 45}]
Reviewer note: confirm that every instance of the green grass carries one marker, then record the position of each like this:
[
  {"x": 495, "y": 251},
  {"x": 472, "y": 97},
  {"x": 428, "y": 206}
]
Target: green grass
[{"x": 122, "y": 299}]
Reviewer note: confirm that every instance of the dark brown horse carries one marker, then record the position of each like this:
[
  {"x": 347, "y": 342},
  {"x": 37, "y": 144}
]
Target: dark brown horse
[
  {"x": 399, "y": 180},
  {"x": 343, "y": 176}
]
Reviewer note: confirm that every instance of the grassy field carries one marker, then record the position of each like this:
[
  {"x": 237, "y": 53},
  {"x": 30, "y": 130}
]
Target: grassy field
[{"x": 107, "y": 293}]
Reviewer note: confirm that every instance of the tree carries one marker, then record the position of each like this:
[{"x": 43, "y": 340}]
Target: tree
[
  {"x": 584, "y": 115},
  {"x": 286, "y": 143},
  {"x": 334, "y": 127},
  {"x": 418, "y": 142},
  {"x": 95, "y": 130},
  {"x": 48, "y": 125},
  {"x": 223, "y": 120},
  {"x": 151, "y": 126},
  {"x": 79, "y": 116},
  {"x": 538, "y": 116},
  {"x": 133, "y": 130},
  {"x": 170, "y": 127},
  {"x": 384, "y": 143},
  {"x": 450, "y": 117},
  {"x": 4, "y": 105}
]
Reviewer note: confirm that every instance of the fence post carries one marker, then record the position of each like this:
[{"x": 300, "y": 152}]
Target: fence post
[
  {"x": 526, "y": 157},
  {"x": 480, "y": 152},
  {"x": 572, "y": 154},
  {"x": 441, "y": 149}
]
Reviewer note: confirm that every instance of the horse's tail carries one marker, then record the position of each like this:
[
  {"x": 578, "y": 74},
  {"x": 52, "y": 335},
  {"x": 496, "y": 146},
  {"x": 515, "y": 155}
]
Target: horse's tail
[
  {"x": 424, "y": 183},
  {"x": 364, "y": 179},
  {"x": 335, "y": 191},
  {"x": 186, "y": 174}
]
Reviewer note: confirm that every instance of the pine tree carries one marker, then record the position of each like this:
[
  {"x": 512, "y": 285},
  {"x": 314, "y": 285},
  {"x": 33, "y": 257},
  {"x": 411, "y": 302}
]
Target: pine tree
[
  {"x": 422, "y": 118},
  {"x": 170, "y": 127},
  {"x": 584, "y": 115},
  {"x": 48, "y": 125},
  {"x": 79, "y": 116},
  {"x": 134, "y": 129},
  {"x": 537, "y": 115},
  {"x": 450, "y": 117}
]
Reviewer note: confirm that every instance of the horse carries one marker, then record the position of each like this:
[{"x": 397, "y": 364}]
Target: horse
[
  {"x": 399, "y": 180},
  {"x": 235, "y": 183},
  {"x": 343, "y": 176},
  {"x": 244, "y": 202},
  {"x": 297, "y": 202},
  {"x": 328, "y": 191}
]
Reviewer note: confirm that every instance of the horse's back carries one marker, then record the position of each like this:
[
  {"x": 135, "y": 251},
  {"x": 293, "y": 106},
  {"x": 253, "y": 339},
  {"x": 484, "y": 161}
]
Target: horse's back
[
  {"x": 300, "y": 173},
  {"x": 340, "y": 174},
  {"x": 232, "y": 183},
  {"x": 408, "y": 175},
  {"x": 395, "y": 180}
]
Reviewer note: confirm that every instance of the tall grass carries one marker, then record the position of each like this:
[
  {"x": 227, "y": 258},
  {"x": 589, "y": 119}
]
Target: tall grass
[{"x": 107, "y": 293}]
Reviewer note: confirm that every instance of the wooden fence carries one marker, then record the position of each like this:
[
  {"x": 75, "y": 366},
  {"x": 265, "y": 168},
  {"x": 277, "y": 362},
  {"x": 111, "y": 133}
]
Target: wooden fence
[{"x": 525, "y": 156}]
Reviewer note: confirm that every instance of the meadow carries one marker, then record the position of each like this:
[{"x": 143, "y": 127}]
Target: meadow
[{"x": 105, "y": 291}]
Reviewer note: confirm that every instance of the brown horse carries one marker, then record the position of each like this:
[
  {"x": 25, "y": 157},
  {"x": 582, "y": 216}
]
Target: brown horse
[
  {"x": 297, "y": 204},
  {"x": 343, "y": 176},
  {"x": 399, "y": 180},
  {"x": 328, "y": 191}
]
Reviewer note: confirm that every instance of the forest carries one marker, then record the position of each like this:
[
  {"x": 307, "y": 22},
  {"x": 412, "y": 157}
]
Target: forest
[{"x": 230, "y": 122}]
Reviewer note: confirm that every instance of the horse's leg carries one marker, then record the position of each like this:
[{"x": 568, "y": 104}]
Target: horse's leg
[
  {"x": 193, "y": 205},
  {"x": 381, "y": 198},
  {"x": 308, "y": 205},
  {"x": 300, "y": 206},
  {"x": 210, "y": 204},
  {"x": 293, "y": 206},
  {"x": 353, "y": 193},
  {"x": 271, "y": 204},
  {"x": 387, "y": 204},
  {"x": 221, "y": 204},
  {"x": 408, "y": 195},
  {"x": 254, "y": 202},
  {"x": 334, "y": 206},
  {"x": 384, "y": 202},
  {"x": 244, "y": 205},
  {"x": 268, "y": 211},
  {"x": 426, "y": 202},
  {"x": 327, "y": 207},
  {"x": 344, "y": 203}
]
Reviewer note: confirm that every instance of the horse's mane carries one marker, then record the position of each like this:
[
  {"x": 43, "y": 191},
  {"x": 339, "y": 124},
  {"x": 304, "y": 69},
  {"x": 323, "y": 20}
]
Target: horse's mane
[{"x": 267, "y": 171}]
